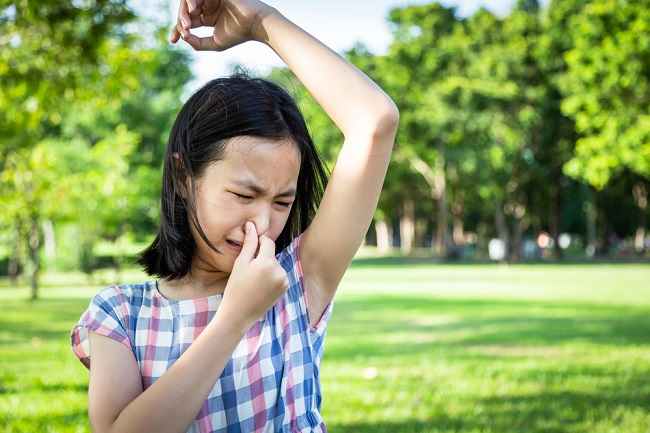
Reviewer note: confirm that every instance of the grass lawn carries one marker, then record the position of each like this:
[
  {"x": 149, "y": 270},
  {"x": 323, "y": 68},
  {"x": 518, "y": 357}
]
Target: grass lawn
[{"x": 410, "y": 348}]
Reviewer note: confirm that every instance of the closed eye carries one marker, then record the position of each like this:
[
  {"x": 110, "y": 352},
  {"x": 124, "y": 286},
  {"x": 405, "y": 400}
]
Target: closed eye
[
  {"x": 243, "y": 196},
  {"x": 247, "y": 197}
]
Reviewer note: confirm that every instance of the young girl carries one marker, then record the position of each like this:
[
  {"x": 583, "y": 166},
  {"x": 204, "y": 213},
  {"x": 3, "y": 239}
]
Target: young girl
[{"x": 229, "y": 335}]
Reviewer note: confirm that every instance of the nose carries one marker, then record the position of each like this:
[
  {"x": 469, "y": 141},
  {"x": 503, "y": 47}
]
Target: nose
[{"x": 261, "y": 217}]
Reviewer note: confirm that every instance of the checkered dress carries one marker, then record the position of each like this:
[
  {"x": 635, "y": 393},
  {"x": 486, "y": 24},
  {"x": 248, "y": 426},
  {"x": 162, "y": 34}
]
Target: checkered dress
[{"x": 270, "y": 384}]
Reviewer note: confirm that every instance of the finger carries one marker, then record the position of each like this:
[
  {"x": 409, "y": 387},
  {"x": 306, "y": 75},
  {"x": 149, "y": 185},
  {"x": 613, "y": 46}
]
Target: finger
[
  {"x": 267, "y": 247},
  {"x": 250, "y": 243},
  {"x": 184, "y": 15},
  {"x": 174, "y": 36},
  {"x": 191, "y": 5},
  {"x": 181, "y": 21},
  {"x": 182, "y": 31},
  {"x": 200, "y": 44},
  {"x": 176, "y": 33}
]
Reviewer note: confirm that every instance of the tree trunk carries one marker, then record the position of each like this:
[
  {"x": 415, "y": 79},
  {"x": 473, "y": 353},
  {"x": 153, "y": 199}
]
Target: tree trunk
[
  {"x": 14, "y": 260},
  {"x": 591, "y": 217},
  {"x": 435, "y": 178},
  {"x": 556, "y": 210},
  {"x": 407, "y": 226},
  {"x": 49, "y": 240},
  {"x": 442, "y": 238},
  {"x": 384, "y": 233},
  {"x": 518, "y": 226},
  {"x": 421, "y": 231},
  {"x": 458, "y": 231},
  {"x": 12, "y": 270},
  {"x": 34, "y": 245},
  {"x": 502, "y": 228},
  {"x": 640, "y": 193}
]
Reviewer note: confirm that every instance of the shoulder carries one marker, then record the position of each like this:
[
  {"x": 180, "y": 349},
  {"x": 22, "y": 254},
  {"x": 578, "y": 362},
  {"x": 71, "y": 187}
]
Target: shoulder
[
  {"x": 119, "y": 303},
  {"x": 123, "y": 294},
  {"x": 110, "y": 313}
]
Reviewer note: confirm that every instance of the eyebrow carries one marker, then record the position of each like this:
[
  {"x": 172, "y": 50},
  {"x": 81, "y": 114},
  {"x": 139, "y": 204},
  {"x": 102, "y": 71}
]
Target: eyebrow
[{"x": 259, "y": 190}]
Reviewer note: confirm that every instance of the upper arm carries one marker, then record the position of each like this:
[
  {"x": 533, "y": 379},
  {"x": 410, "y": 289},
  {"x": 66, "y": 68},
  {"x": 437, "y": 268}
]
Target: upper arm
[
  {"x": 346, "y": 210},
  {"x": 114, "y": 381}
]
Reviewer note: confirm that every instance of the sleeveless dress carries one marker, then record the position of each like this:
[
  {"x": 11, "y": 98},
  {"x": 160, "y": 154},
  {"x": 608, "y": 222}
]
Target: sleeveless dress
[{"x": 271, "y": 382}]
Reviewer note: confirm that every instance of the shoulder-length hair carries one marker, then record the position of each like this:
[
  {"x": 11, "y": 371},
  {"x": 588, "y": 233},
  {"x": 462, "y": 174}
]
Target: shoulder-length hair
[{"x": 224, "y": 108}]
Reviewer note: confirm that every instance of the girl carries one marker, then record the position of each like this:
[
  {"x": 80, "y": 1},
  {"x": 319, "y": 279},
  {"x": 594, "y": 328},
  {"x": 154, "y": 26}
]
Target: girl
[{"x": 229, "y": 335}]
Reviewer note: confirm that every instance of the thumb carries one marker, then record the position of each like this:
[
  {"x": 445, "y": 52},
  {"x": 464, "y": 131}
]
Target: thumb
[{"x": 249, "y": 246}]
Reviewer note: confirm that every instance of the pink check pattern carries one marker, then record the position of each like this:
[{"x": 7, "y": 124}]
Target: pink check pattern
[{"x": 270, "y": 384}]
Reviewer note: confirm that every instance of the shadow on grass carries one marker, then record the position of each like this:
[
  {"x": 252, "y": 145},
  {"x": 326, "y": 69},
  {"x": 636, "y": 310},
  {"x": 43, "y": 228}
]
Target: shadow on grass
[
  {"x": 549, "y": 411},
  {"x": 558, "y": 411},
  {"x": 44, "y": 387},
  {"x": 410, "y": 426},
  {"x": 68, "y": 422},
  {"x": 443, "y": 324}
]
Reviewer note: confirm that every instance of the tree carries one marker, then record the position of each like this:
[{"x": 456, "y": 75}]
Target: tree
[
  {"x": 48, "y": 48},
  {"x": 607, "y": 88},
  {"x": 98, "y": 142},
  {"x": 54, "y": 180},
  {"x": 420, "y": 58}
]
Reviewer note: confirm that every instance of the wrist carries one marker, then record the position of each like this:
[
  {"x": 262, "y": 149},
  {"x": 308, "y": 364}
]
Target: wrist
[
  {"x": 259, "y": 30},
  {"x": 232, "y": 324}
]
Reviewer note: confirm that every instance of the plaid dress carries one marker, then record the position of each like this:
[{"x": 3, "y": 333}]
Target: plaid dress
[{"x": 270, "y": 384}]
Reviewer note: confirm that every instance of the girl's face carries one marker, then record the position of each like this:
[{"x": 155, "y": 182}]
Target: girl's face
[{"x": 256, "y": 181}]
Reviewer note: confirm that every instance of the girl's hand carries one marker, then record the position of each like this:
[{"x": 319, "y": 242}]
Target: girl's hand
[
  {"x": 234, "y": 22},
  {"x": 255, "y": 283}
]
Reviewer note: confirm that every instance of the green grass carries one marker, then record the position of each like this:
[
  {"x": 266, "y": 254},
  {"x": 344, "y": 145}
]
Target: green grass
[{"x": 411, "y": 348}]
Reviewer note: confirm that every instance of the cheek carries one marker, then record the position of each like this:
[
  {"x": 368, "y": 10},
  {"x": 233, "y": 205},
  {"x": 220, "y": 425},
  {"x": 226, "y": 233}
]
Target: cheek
[
  {"x": 216, "y": 216},
  {"x": 280, "y": 221}
]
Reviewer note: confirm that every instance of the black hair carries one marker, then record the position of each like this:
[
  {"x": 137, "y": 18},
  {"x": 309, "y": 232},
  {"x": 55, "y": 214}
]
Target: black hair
[{"x": 224, "y": 108}]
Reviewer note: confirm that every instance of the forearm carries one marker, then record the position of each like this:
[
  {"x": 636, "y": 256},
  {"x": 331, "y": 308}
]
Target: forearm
[
  {"x": 352, "y": 100},
  {"x": 173, "y": 401}
]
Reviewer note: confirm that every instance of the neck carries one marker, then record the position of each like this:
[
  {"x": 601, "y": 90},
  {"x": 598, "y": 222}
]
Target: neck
[{"x": 201, "y": 281}]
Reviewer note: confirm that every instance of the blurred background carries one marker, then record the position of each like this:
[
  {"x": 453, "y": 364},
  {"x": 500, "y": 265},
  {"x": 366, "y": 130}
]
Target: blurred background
[{"x": 509, "y": 257}]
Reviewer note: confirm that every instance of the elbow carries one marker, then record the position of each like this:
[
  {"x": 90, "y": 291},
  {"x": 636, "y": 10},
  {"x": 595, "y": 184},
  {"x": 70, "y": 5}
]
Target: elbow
[
  {"x": 388, "y": 121},
  {"x": 380, "y": 122}
]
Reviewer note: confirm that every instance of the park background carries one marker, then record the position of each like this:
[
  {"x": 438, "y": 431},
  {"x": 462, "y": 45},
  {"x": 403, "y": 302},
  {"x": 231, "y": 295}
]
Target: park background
[{"x": 504, "y": 282}]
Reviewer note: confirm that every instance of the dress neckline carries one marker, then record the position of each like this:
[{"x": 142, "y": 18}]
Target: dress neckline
[{"x": 165, "y": 299}]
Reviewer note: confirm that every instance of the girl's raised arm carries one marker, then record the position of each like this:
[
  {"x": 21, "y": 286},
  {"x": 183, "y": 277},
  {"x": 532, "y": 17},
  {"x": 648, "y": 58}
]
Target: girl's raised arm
[{"x": 367, "y": 117}]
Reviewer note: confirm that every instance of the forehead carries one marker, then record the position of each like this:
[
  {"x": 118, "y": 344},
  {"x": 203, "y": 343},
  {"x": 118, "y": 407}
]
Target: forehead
[{"x": 260, "y": 160}]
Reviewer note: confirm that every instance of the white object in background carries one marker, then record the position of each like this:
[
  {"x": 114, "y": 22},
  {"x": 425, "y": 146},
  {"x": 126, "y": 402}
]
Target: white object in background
[
  {"x": 497, "y": 249},
  {"x": 564, "y": 241}
]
